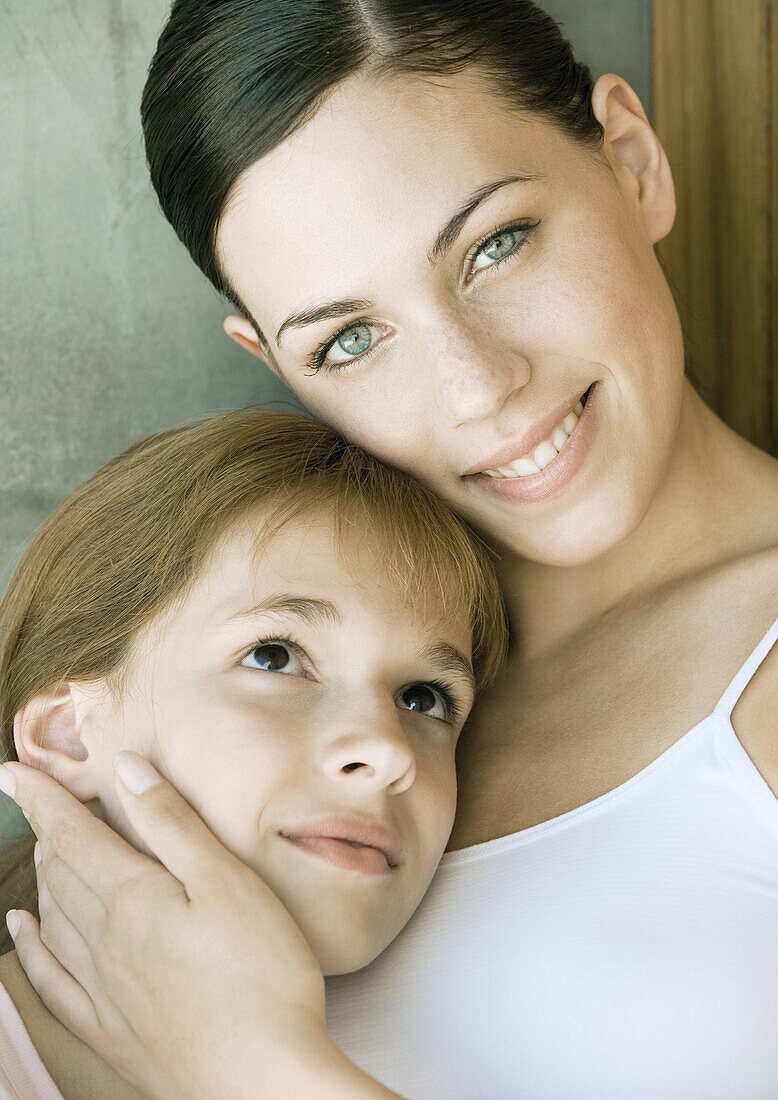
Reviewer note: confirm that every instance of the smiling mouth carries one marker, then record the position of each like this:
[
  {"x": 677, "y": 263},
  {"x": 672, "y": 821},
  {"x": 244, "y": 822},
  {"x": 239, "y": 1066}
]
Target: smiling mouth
[{"x": 541, "y": 456}]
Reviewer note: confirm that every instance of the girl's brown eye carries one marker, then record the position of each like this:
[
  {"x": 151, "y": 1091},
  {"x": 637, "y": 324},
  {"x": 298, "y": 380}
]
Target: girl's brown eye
[
  {"x": 422, "y": 698},
  {"x": 273, "y": 657}
]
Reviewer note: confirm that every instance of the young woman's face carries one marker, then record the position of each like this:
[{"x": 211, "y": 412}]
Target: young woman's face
[
  {"x": 285, "y": 690},
  {"x": 462, "y": 351}
]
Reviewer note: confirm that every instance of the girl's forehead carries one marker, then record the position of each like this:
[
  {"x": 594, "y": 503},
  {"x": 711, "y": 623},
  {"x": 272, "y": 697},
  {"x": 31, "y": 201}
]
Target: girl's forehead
[{"x": 304, "y": 570}]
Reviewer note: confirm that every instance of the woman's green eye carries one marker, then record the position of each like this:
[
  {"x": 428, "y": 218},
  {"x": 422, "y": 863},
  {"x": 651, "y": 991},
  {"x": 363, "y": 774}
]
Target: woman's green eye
[
  {"x": 350, "y": 344},
  {"x": 355, "y": 340},
  {"x": 500, "y": 246}
]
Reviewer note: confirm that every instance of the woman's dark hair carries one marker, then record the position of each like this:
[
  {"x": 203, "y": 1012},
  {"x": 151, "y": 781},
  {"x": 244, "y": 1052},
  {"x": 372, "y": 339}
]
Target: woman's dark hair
[{"x": 231, "y": 79}]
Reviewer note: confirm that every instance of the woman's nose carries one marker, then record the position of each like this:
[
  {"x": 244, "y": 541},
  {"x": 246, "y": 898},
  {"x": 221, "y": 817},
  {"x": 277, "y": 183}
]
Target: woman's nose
[
  {"x": 476, "y": 375},
  {"x": 377, "y": 755}
]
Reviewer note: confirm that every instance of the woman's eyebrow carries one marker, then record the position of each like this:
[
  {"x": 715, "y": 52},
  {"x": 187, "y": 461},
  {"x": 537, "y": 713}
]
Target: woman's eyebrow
[
  {"x": 325, "y": 311},
  {"x": 454, "y": 225}
]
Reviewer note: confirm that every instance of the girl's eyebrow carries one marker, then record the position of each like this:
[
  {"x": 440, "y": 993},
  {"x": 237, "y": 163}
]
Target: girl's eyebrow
[
  {"x": 450, "y": 660},
  {"x": 310, "y": 611},
  {"x": 446, "y": 658},
  {"x": 311, "y": 315}
]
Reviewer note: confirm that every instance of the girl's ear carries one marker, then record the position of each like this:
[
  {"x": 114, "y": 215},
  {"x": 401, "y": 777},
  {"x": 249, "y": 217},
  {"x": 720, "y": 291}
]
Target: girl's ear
[
  {"x": 635, "y": 148},
  {"x": 47, "y": 735}
]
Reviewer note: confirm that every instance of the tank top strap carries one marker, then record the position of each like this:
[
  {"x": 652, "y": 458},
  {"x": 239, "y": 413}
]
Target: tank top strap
[{"x": 747, "y": 669}]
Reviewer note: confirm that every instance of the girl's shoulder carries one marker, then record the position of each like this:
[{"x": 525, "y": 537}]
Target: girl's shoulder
[
  {"x": 77, "y": 1071},
  {"x": 22, "y": 1072}
]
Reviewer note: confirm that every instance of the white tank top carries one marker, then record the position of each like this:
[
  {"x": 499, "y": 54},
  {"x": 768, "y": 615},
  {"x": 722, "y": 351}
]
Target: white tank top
[{"x": 627, "y": 949}]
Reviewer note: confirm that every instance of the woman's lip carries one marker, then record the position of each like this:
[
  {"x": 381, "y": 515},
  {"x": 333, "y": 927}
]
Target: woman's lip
[
  {"x": 557, "y": 475},
  {"x": 539, "y": 431},
  {"x": 367, "y": 860}
]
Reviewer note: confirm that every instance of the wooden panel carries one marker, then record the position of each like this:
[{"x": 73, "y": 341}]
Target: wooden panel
[
  {"x": 773, "y": 223},
  {"x": 716, "y": 113}
]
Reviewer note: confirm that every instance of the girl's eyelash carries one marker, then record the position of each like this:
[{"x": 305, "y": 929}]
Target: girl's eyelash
[
  {"x": 316, "y": 361},
  {"x": 450, "y": 702},
  {"x": 290, "y": 643}
]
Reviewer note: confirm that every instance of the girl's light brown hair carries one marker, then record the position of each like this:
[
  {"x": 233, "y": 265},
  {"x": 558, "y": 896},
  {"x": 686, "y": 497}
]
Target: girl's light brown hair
[{"x": 134, "y": 537}]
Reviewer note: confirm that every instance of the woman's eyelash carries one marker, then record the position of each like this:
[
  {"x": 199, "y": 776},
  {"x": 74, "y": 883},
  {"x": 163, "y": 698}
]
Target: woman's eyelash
[
  {"x": 317, "y": 359},
  {"x": 524, "y": 227},
  {"x": 316, "y": 362}
]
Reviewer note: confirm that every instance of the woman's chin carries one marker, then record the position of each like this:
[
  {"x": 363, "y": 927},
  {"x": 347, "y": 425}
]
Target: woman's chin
[{"x": 582, "y": 535}]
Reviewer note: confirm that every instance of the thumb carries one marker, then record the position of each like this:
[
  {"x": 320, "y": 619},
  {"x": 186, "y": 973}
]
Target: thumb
[{"x": 167, "y": 824}]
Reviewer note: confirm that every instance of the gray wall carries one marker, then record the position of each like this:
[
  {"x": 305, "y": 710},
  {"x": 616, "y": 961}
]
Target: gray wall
[{"x": 107, "y": 330}]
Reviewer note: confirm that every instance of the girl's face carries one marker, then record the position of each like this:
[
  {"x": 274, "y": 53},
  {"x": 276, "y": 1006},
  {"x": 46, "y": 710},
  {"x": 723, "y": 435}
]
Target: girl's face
[
  {"x": 291, "y": 687},
  {"x": 442, "y": 279}
]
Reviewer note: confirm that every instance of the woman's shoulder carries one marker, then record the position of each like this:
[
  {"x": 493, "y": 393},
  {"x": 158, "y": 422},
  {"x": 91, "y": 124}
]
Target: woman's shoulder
[{"x": 755, "y": 714}]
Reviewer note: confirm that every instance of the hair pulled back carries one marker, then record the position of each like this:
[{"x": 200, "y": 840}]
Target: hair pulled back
[{"x": 231, "y": 79}]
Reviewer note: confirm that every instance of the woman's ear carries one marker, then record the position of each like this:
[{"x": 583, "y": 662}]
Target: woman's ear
[
  {"x": 241, "y": 330},
  {"x": 635, "y": 147},
  {"x": 47, "y": 735}
]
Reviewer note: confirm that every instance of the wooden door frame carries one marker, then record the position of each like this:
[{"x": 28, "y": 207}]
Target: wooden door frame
[{"x": 715, "y": 95}]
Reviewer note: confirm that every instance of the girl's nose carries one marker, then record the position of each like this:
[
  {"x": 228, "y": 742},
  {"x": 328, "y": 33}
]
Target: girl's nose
[{"x": 377, "y": 756}]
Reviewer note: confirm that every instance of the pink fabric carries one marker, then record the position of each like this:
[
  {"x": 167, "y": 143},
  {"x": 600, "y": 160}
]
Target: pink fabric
[{"x": 23, "y": 1075}]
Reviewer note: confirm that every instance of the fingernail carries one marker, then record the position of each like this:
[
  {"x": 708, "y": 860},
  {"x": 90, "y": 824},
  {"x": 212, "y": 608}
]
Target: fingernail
[
  {"x": 13, "y": 922},
  {"x": 7, "y": 781},
  {"x": 135, "y": 773},
  {"x": 36, "y": 854}
]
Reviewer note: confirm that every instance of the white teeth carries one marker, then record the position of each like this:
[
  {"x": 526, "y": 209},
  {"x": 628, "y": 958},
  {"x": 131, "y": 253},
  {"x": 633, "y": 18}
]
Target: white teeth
[
  {"x": 559, "y": 438},
  {"x": 524, "y": 467},
  {"x": 545, "y": 453}
]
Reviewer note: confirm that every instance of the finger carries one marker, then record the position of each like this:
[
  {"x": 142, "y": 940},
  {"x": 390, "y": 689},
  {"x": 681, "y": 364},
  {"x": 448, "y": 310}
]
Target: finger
[
  {"x": 64, "y": 997},
  {"x": 66, "y": 944},
  {"x": 66, "y": 892},
  {"x": 102, "y": 859},
  {"x": 168, "y": 825},
  {"x": 44, "y": 897}
]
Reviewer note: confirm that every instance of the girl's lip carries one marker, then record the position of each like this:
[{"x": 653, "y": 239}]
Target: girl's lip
[
  {"x": 556, "y": 476},
  {"x": 367, "y": 860}
]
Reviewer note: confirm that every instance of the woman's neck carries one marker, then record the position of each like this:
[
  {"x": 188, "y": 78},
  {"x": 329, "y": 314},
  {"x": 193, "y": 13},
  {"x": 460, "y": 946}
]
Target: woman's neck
[
  {"x": 76, "y": 1070},
  {"x": 718, "y": 501}
]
